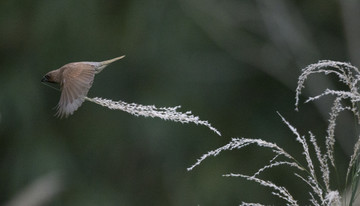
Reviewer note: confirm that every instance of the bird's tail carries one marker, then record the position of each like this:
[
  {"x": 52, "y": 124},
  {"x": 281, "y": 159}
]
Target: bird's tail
[{"x": 103, "y": 64}]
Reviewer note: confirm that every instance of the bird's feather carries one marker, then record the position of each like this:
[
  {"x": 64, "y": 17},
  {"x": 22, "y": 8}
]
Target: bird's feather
[{"x": 76, "y": 82}]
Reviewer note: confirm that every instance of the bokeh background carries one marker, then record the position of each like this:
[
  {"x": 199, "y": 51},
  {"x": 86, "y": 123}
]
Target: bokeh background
[{"x": 233, "y": 63}]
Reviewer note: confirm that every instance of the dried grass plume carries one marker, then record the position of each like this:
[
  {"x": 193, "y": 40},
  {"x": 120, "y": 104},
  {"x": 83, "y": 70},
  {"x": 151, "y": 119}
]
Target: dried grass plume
[
  {"x": 165, "y": 113},
  {"x": 321, "y": 187}
]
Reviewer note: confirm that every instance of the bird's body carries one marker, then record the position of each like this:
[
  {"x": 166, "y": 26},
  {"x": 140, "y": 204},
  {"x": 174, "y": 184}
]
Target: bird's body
[{"x": 75, "y": 80}]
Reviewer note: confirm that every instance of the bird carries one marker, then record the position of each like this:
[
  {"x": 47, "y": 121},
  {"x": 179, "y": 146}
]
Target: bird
[{"x": 75, "y": 80}]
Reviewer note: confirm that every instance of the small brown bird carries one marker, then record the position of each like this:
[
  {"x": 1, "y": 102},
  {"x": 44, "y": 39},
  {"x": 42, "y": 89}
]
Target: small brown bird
[{"x": 75, "y": 80}]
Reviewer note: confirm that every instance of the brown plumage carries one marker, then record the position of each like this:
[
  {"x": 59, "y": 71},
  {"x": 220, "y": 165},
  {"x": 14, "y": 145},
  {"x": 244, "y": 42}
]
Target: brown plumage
[{"x": 75, "y": 80}]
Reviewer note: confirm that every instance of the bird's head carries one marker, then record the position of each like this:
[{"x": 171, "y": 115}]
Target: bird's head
[{"x": 51, "y": 77}]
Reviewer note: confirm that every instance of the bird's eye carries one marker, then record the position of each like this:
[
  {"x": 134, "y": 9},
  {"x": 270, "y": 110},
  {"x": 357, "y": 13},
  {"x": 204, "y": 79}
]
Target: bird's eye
[{"x": 47, "y": 76}]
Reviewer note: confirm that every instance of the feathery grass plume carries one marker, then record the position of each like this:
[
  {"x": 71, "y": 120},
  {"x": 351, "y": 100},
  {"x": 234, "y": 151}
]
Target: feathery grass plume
[
  {"x": 353, "y": 157},
  {"x": 165, "y": 113},
  {"x": 318, "y": 195},
  {"x": 302, "y": 141},
  {"x": 238, "y": 143},
  {"x": 282, "y": 192},
  {"x": 250, "y": 204},
  {"x": 354, "y": 169},
  {"x": 332, "y": 198},
  {"x": 347, "y": 74},
  {"x": 344, "y": 72},
  {"x": 350, "y": 76},
  {"x": 271, "y": 165},
  {"x": 321, "y": 194},
  {"x": 324, "y": 167}
]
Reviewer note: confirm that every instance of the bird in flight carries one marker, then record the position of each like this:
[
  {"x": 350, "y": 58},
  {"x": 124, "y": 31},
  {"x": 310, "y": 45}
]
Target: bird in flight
[{"x": 75, "y": 80}]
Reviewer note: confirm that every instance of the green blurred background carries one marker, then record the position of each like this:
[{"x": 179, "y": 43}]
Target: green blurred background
[{"x": 233, "y": 63}]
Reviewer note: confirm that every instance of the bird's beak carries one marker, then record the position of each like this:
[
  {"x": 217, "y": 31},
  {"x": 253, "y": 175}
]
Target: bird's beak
[{"x": 44, "y": 79}]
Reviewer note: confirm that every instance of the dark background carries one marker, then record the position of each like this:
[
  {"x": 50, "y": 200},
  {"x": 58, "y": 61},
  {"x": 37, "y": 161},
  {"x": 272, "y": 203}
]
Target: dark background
[{"x": 233, "y": 63}]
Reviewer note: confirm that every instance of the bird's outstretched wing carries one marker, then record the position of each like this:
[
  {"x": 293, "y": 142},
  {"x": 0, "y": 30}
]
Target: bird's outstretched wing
[{"x": 75, "y": 84}]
